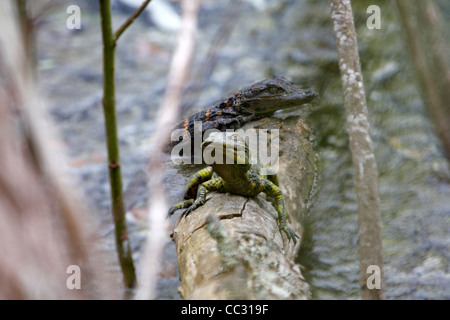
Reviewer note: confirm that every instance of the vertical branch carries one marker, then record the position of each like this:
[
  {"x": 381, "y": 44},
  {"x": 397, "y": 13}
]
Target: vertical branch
[
  {"x": 109, "y": 110},
  {"x": 366, "y": 174},
  {"x": 28, "y": 33},
  {"x": 178, "y": 74},
  {"x": 427, "y": 49},
  {"x": 43, "y": 227}
]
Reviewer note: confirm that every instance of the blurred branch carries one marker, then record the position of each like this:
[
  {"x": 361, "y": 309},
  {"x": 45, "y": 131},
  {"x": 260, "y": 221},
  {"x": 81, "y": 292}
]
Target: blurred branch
[
  {"x": 366, "y": 173},
  {"x": 30, "y": 14},
  {"x": 130, "y": 20},
  {"x": 42, "y": 9},
  {"x": 228, "y": 21},
  {"x": 423, "y": 26},
  {"x": 109, "y": 110},
  {"x": 26, "y": 22},
  {"x": 44, "y": 229},
  {"x": 178, "y": 74}
]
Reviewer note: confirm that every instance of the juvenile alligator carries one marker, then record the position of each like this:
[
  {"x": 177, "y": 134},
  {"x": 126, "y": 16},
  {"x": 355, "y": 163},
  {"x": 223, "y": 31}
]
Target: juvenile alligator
[
  {"x": 259, "y": 100},
  {"x": 233, "y": 175}
]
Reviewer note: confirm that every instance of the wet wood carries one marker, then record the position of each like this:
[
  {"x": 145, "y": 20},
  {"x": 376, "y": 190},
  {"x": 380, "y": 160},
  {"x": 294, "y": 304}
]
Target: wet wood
[{"x": 231, "y": 248}]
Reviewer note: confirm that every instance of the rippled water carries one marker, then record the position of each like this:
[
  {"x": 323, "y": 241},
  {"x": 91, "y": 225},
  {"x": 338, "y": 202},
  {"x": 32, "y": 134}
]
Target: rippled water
[
  {"x": 295, "y": 39},
  {"x": 414, "y": 179}
]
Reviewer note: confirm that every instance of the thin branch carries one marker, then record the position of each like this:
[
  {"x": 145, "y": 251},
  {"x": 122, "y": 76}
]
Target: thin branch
[
  {"x": 43, "y": 11},
  {"x": 178, "y": 74},
  {"x": 115, "y": 177},
  {"x": 44, "y": 227},
  {"x": 366, "y": 172},
  {"x": 422, "y": 28},
  {"x": 212, "y": 57},
  {"x": 130, "y": 20}
]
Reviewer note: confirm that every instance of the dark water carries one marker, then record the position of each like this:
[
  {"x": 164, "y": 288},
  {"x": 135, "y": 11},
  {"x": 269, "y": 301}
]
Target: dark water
[
  {"x": 413, "y": 184},
  {"x": 290, "y": 38}
]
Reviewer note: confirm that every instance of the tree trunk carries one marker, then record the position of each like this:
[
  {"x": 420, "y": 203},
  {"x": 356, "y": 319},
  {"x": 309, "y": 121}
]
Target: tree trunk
[
  {"x": 231, "y": 248},
  {"x": 366, "y": 172}
]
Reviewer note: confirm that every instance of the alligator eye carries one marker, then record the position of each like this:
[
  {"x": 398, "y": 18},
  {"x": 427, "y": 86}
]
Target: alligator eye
[
  {"x": 253, "y": 92},
  {"x": 274, "y": 90}
]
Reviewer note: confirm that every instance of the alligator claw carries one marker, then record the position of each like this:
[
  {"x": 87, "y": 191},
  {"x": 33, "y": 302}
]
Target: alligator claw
[
  {"x": 189, "y": 210},
  {"x": 197, "y": 203},
  {"x": 290, "y": 234},
  {"x": 172, "y": 211}
]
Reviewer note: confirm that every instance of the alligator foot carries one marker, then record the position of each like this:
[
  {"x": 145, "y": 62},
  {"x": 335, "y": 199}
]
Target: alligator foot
[
  {"x": 198, "y": 203},
  {"x": 180, "y": 205},
  {"x": 290, "y": 234}
]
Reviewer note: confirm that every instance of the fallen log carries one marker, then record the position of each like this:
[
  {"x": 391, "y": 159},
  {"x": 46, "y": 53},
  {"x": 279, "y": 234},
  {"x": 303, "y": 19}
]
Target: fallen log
[{"x": 231, "y": 248}]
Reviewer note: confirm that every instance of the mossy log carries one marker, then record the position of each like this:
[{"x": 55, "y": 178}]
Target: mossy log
[{"x": 231, "y": 248}]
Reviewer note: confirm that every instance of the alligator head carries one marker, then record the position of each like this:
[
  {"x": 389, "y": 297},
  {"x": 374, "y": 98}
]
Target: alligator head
[{"x": 267, "y": 96}]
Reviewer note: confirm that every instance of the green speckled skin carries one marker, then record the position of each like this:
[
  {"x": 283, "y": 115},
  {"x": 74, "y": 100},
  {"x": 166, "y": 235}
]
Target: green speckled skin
[{"x": 240, "y": 179}]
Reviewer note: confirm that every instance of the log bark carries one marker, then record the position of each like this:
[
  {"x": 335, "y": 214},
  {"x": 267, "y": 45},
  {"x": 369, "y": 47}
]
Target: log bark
[{"x": 231, "y": 248}]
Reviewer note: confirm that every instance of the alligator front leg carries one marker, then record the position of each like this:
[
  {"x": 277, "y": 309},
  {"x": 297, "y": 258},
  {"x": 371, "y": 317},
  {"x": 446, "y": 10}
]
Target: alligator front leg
[
  {"x": 198, "y": 178},
  {"x": 211, "y": 185},
  {"x": 181, "y": 205},
  {"x": 191, "y": 190},
  {"x": 274, "y": 191}
]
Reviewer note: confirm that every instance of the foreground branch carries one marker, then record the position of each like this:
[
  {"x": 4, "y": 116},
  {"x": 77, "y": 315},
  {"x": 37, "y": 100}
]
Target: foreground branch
[
  {"x": 130, "y": 20},
  {"x": 109, "y": 110},
  {"x": 424, "y": 35},
  {"x": 44, "y": 226},
  {"x": 178, "y": 74},
  {"x": 366, "y": 173}
]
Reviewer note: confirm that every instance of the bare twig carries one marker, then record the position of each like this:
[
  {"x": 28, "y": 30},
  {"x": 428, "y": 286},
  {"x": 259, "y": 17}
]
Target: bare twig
[
  {"x": 109, "y": 111},
  {"x": 366, "y": 173},
  {"x": 178, "y": 74},
  {"x": 43, "y": 9},
  {"x": 42, "y": 230},
  {"x": 423, "y": 30},
  {"x": 212, "y": 57},
  {"x": 28, "y": 32},
  {"x": 31, "y": 14},
  {"x": 109, "y": 108},
  {"x": 130, "y": 20}
]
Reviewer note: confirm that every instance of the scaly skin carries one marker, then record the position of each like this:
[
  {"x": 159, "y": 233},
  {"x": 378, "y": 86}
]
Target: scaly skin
[
  {"x": 254, "y": 102},
  {"x": 239, "y": 177}
]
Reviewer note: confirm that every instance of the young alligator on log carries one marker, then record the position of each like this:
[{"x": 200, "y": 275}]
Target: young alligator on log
[
  {"x": 233, "y": 175},
  {"x": 259, "y": 100}
]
